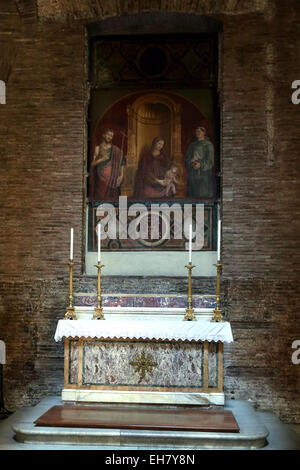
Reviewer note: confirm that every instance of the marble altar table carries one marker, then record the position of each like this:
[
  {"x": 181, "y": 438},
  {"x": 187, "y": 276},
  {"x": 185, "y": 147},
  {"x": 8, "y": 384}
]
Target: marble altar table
[{"x": 129, "y": 359}]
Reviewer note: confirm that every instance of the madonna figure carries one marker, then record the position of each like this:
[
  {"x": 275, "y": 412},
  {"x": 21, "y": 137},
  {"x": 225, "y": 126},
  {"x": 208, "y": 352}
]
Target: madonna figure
[{"x": 149, "y": 179}]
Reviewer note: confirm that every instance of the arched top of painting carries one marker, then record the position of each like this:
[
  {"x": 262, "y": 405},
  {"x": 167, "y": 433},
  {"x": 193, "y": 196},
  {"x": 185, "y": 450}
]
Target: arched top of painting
[{"x": 115, "y": 117}]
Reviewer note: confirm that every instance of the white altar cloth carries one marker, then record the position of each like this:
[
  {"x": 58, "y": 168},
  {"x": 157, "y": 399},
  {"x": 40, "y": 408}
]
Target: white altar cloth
[{"x": 202, "y": 330}]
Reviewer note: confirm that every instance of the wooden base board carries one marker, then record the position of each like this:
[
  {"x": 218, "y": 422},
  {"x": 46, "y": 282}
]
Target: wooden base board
[{"x": 143, "y": 418}]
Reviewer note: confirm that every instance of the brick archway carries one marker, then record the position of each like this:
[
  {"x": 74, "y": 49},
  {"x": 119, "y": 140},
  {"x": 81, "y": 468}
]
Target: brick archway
[{"x": 93, "y": 10}]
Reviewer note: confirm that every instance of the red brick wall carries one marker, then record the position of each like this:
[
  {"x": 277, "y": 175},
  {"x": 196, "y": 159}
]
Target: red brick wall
[{"x": 43, "y": 147}]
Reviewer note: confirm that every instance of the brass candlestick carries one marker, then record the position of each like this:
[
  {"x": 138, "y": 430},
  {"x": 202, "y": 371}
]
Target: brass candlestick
[
  {"x": 190, "y": 311},
  {"x": 217, "y": 316},
  {"x": 70, "y": 313},
  {"x": 98, "y": 314}
]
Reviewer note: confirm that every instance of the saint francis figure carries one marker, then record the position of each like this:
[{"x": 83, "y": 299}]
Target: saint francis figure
[{"x": 199, "y": 160}]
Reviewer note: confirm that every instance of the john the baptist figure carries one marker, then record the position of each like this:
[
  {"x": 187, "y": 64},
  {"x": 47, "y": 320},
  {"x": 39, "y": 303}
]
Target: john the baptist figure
[{"x": 107, "y": 167}]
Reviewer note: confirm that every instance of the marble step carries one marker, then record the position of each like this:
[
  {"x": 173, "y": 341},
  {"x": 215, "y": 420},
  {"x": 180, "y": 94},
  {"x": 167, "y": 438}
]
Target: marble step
[{"x": 252, "y": 435}]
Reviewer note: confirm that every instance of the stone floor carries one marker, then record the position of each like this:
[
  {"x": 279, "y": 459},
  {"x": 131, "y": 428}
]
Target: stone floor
[{"x": 280, "y": 436}]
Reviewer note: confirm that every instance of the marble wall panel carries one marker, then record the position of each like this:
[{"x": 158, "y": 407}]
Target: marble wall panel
[
  {"x": 159, "y": 301},
  {"x": 73, "y": 362},
  {"x": 213, "y": 356}
]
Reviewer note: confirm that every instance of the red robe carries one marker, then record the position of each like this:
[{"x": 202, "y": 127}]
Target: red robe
[
  {"x": 150, "y": 167},
  {"x": 104, "y": 177}
]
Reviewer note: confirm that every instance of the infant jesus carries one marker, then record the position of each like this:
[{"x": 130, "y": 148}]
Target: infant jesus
[{"x": 170, "y": 180}]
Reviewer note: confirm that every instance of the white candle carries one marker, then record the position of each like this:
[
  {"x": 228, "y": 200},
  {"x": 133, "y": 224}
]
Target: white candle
[
  {"x": 71, "y": 244},
  {"x": 99, "y": 241},
  {"x": 190, "y": 244},
  {"x": 219, "y": 240}
]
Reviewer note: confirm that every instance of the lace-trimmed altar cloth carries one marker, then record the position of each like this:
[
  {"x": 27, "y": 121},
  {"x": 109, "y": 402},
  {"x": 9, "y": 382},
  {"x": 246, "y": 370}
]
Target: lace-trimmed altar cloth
[{"x": 202, "y": 330}]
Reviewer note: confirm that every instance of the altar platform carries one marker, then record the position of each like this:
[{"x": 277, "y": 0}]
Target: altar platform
[{"x": 252, "y": 434}]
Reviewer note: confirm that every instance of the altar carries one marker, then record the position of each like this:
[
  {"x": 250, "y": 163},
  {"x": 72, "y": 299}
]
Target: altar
[{"x": 143, "y": 355}]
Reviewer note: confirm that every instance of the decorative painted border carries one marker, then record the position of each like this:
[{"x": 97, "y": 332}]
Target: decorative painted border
[{"x": 210, "y": 232}]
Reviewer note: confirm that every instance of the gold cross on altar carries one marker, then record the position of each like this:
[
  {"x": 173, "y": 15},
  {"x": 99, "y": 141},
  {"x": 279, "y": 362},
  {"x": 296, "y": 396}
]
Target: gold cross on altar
[{"x": 143, "y": 364}]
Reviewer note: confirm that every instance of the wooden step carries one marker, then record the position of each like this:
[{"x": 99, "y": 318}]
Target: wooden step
[{"x": 139, "y": 418}]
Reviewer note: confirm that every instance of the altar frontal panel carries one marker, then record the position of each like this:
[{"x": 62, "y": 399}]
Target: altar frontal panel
[{"x": 144, "y": 366}]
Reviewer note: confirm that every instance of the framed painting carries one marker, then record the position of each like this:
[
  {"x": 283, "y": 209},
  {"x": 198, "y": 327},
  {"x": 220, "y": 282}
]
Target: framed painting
[{"x": 153, "y": 127}]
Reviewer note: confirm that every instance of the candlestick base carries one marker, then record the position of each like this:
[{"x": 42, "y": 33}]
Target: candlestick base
[
  {"x": 70, "y": 314},
  {"x": 98, "y": 314},
  {"x": 217, "y": 316},
  {"x": 189, "y": 316}
]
